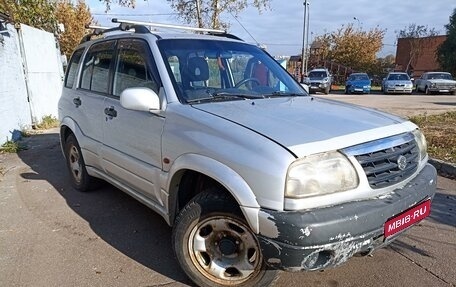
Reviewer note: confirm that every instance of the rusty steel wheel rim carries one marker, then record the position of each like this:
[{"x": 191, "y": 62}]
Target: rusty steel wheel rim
[{"x": 224, "y": 250}]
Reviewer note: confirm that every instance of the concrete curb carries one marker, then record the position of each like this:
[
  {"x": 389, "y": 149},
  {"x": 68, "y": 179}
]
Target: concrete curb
[{"x": 445, "y": 169}]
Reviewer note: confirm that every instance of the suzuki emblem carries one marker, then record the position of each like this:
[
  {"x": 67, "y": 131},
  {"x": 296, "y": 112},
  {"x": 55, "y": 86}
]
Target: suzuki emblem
[{"x": 401, "y": 162}]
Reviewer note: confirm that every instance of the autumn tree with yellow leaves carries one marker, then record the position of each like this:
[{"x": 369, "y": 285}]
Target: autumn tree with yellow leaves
[
  {"x": 351, "y": 47},
  {"x": 74, "y": 18},
  {"x": 47, "y": 15}
]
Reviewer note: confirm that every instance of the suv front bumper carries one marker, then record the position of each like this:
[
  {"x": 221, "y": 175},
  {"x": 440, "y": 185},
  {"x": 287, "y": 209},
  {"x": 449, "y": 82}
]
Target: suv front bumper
[{"x": 327, "y": 237}]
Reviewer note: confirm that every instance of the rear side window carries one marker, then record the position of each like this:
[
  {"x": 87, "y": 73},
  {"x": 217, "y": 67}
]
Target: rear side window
[
  {"x": 133, "y": 66},
  {"x": 95, "y": 70},
  {"x": 73, "y": 68}
]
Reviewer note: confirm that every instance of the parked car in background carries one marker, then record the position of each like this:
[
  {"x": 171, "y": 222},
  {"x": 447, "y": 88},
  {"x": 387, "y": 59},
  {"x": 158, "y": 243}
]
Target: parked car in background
[
  {"x": 319, "y": 80},
  {"x": 435, "y": 82},
  {"x": 358, "y": 83},
  {"x": 397, "y": 82}
]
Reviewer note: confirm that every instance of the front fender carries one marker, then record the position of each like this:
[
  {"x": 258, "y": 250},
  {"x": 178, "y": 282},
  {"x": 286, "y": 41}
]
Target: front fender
[{"x": 224, "y": 175}]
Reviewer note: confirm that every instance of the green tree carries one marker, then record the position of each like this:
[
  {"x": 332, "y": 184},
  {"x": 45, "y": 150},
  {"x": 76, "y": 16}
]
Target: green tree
[
  {"x": 35, "y": 13},
  {"x": 206, "y": 13},
  {"x": 446, "y": 53},
  {"x": 354, "y": 48},
  {"x": 414, "y": 34},
  {"x": 74, "y": 18}
]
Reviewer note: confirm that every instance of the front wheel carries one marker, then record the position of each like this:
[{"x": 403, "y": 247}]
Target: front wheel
[
  {"x": 215, "y": 246},
  {"x": 427, "y": 91}
]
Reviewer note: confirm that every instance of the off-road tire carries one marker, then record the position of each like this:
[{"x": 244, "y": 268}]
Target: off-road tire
[
  {"x": 213, "y": 221},
  {"x": 80, "y": 179}
]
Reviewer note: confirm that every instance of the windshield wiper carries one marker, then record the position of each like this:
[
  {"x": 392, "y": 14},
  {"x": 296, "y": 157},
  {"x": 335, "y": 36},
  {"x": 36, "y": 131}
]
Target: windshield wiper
[
  {"x": 220, "y": 96},
  {"x": 284, "y": 94}
]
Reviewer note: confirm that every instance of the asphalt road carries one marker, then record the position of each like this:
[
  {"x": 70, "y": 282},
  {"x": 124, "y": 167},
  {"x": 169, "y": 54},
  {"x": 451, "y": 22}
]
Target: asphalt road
[{"x": 51, "y": 235}]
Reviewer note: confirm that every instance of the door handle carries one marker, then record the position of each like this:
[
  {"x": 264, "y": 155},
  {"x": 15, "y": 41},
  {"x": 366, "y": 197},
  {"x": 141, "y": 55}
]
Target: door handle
[
  {"x": 110, "y": 111},
  {"x": 77, "y": 101}
]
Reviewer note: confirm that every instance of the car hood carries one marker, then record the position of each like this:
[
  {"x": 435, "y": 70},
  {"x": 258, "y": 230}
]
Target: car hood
[
  {"x": 317, "y": 79},
  {"x": 360, "y": 82},
  {"x": 396, "y": 82},
  {"x": 442, "y": 81},
  {"x": 306, "y": 125}
]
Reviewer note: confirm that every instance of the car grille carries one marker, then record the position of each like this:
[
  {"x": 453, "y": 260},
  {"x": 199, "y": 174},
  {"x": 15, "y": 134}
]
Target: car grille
[
  {"x": 445, "y": 86},
  {"x": 388, "y": 165}
]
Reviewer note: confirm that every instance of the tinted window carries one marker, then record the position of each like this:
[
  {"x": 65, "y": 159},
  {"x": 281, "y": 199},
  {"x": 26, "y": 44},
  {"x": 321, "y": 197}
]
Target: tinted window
[
  {"x": 132, "y": 67},
  {"x": 95, "y": 71},
  {"x": 73, "y": 68}
]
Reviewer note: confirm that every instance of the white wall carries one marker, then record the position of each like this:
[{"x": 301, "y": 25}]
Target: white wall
[
  {"x": 44, "y": 71},
  {"x": 31, "y": 76},
  {"x": 14, "y": 107}
]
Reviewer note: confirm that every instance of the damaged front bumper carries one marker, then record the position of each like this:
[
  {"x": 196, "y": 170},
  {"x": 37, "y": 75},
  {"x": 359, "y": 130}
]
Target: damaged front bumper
[{"x": 327, "y": 237}]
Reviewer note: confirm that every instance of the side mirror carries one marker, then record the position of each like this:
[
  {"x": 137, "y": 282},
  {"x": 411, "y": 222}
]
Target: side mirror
[{"x": 140, "y": 99}]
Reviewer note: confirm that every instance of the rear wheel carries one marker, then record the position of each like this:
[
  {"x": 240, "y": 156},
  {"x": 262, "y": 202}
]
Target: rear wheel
[
  {"x": 80, "y": 179},
  {"x": 215, "y": 246}
]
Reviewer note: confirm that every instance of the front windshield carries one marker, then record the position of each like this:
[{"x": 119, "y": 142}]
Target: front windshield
[
  {"x": 359, "y": 77},
  {"x": 203, "y": 70},
  {"x": 318, "y": 74},
  {"x": 437, "y": 76},
  {"x": 398, "y": 77}
]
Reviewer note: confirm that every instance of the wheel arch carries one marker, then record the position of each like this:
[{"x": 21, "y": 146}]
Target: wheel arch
[
  {"x": 68, "y": 126},
  {"x": 201, "y": 168}
]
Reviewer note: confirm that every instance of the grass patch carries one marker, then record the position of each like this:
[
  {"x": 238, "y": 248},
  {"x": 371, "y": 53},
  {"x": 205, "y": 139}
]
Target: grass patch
[
  {"x": 440, "y": 132},
  {"x": 47, "y": 122},
  {"x": 11, "y": 147}
]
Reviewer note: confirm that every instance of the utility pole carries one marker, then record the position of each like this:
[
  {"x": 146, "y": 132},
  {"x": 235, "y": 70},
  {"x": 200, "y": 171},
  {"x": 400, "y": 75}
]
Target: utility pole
[{"x": 305, "y": 39}]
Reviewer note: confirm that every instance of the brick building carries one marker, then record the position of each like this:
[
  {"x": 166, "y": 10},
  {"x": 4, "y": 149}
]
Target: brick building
[{"x": 424, "y": 61}]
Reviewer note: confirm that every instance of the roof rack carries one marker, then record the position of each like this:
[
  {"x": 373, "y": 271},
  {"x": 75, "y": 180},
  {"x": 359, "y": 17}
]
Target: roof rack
[
  {"x": 99, "y": 30},
  {"x": 141, "y": 27},
  {"x": 169, "y": 26}
]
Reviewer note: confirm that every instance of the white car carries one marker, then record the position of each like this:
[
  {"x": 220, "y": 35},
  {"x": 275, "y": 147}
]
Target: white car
[
  {"x": 397, "y": 82},
  {"x": 251, "y": 172},
  {"x": 436, "y": 82}
]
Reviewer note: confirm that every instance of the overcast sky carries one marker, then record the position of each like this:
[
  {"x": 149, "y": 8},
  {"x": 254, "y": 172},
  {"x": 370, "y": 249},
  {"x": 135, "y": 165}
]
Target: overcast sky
[{"x": 281, "y": 27}]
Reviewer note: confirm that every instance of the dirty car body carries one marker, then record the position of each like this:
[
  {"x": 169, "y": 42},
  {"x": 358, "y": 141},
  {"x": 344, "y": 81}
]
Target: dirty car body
[{"x": 181, "y": 117}]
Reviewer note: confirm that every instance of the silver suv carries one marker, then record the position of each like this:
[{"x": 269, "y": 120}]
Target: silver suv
[
  {"x": 252, "y": 174},
  {"x": 319, "y": 80}
]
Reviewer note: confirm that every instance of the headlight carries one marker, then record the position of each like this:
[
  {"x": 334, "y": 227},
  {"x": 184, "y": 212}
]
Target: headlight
[
  {"x": 325, "y": 80},
  {"x": 421, "y": 141},
  {"x": 390, "y": 85},
  {"x": 366, "y": 87},
  {"x": 409, "y": 85},
  {"x": 320, "y": 174},
  {"x": 433, "y": 85}
]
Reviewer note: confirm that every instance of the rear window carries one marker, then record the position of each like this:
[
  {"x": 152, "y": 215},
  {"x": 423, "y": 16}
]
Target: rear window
[{"x": 73, "y": 68}]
